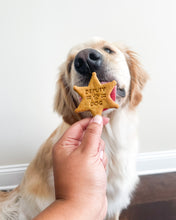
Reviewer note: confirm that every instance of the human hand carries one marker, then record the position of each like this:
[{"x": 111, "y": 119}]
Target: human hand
[{"x": 79, "y": 163}]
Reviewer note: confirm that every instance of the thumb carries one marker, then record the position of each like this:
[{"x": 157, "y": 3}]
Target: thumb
[{"x": 92, "y": 135}]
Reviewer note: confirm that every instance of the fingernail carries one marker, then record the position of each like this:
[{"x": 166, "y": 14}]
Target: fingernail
[
  {"x": 97, "y": 119},
  {"x": 101, "y": 155}
]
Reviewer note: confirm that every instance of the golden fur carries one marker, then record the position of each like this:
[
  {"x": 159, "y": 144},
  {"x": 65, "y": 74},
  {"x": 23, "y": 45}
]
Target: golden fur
[{"x": 36, "y": 191}]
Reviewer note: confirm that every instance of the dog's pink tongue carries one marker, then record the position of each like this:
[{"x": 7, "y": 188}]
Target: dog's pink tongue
[{"x": 113, "y": 93}]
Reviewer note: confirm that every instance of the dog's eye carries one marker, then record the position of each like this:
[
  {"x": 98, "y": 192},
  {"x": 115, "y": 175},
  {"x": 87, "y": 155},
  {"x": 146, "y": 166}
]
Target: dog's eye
[
  {"x": 108, "y": 50},
  {"x": 69, "y": 66}
]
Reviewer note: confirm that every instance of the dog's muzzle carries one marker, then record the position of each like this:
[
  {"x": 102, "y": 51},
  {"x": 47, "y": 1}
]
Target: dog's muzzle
[{"x": 90, "y": 60}]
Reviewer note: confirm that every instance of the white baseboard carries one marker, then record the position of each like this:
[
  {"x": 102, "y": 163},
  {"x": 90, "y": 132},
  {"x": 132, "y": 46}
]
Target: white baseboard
[
  {"x": 147, "y": 163},
  {"x": 11, "y": 176},
  {"x": 156, "y": 162}
]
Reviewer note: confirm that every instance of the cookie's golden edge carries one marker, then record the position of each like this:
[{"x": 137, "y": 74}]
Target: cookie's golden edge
[{"x": 76, "y": 89}]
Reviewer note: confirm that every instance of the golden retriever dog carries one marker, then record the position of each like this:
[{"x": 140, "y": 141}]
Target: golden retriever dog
[{"x": 111, "y": 61}]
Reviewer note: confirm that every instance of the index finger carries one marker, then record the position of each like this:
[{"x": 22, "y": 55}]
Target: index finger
[
  {"x": 91, "y": 138},
  {"x": 76, "y": 130}
]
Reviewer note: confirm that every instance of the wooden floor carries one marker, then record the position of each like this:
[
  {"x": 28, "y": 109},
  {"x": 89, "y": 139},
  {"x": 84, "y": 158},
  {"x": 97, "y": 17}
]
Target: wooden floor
[{"x": 154, "y": 199}]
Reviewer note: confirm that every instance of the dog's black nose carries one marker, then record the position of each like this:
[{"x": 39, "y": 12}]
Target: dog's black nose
[{"x": 88, "y": 61}]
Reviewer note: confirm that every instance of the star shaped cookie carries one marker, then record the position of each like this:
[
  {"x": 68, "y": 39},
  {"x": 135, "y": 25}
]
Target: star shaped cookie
[{"x": 96, "y": 96}]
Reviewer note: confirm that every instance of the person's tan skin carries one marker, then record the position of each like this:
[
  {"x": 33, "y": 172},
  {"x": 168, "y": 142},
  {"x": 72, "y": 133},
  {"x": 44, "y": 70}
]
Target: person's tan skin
[{"x": 79, "y": 163}]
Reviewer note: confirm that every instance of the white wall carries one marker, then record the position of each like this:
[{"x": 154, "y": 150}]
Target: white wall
[{"x": 35, "y": 36}]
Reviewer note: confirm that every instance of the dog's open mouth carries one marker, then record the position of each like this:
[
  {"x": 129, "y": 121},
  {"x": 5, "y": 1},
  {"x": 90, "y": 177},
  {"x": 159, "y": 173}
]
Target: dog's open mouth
[
  {"x": 117, "y": 91},
  {"x": 113, "y": 93}
]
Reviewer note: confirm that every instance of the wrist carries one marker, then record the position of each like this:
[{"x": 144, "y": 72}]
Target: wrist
[
  {"x": 77, "y": 210},
  {"x": 83, "y": 209},
  {"x": 63, "y": 210},
  {"x": 87, "y": 208}
]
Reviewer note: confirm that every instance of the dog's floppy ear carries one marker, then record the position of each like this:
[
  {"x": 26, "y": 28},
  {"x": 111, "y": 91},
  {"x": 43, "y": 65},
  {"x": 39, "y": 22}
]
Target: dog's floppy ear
[
  {"x": 64, "y": 102},
  {"x": 138, "y": 77}
]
